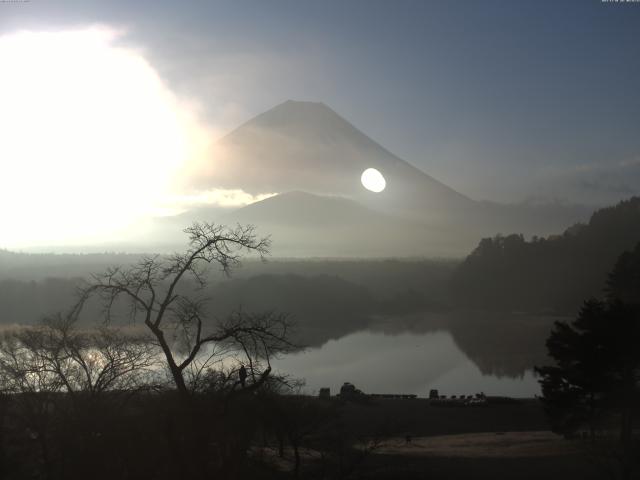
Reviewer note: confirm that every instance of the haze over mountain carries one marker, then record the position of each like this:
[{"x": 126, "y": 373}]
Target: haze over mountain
[{"x": 314, "y": 158}]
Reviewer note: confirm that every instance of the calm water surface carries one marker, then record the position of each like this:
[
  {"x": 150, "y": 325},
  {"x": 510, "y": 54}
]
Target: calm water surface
[{"x": 400, "y": 363}]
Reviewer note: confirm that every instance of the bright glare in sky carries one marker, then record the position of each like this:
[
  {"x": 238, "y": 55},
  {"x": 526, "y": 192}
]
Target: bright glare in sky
[
  {"x": 91, "y": 138},
  {"x": 373, "y": 180}
]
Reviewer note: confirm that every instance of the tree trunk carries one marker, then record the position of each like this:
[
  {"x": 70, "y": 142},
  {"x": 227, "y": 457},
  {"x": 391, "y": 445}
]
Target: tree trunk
[
  {"x": 296, "y": 455},
  {"x": 626, "y": 424},
  {"x": 280, "y": 446},
  {"x": 176, "y": 373}
]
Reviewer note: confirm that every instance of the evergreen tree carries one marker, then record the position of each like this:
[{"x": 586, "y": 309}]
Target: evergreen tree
[{"x": 594, "y": 382}]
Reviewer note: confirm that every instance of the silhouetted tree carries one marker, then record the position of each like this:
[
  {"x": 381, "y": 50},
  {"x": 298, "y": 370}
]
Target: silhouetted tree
[
  {"x": 158, "y": 291},
  {"x": 624, "y": 280},
  {"x": 293, "y": 418},
  {"x": 576, "y": 390},
  {"x": 623, "y": 296},
  {"x": 63, "y": 383},
  {"x": 597, "y": 371},
  {"x": 202, "y": 353}
]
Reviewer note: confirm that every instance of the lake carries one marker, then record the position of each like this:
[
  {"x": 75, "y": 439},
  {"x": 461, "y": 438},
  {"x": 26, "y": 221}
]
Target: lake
[{"x": 404, "y": 362}]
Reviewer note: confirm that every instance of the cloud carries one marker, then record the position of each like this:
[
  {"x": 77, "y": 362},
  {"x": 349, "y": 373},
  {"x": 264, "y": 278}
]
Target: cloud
[
  {"x": 216, "y": 197},
  {"x": 595, "y": 184},
  {"x": 607, "y": 186}
]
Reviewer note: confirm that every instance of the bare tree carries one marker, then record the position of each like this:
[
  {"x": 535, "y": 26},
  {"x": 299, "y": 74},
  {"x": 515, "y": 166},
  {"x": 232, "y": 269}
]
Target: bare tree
[
  {"x": 168, "y": 294},
  {"x": 67, "y": 383},
  {"x": 34, "y": 387},
  {"x": 57, "y": 357},
  {"x": 96, "y": 360}
]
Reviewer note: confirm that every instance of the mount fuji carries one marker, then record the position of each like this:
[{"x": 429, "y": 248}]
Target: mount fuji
[{"x": 313, "y": 159}]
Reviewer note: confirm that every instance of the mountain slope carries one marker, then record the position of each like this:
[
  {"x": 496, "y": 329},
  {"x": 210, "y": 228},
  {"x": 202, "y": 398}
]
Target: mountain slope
[{"x": 309, "y": 147}]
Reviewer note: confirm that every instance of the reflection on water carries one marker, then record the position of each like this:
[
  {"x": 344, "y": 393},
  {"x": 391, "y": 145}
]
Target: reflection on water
[{"x": 408, "y": 362}]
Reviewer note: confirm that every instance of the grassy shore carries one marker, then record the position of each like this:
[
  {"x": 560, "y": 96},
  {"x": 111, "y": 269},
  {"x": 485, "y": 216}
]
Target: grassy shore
[
  {"x": 500, "y": 440},
  {"x": 419, "y": 417}
]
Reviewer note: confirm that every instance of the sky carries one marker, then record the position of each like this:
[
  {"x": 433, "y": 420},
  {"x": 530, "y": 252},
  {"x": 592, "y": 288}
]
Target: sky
[{"x": 501, "y": 100}]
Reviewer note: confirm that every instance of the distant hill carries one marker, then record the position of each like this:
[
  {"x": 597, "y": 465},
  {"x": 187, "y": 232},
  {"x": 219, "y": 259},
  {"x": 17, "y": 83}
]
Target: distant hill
[
  {"x": 548, "y": 274},
  {"x": 303, "y": 224},
  {"x": 39, "y": 266},
  {"x": 305, "y": 209}
]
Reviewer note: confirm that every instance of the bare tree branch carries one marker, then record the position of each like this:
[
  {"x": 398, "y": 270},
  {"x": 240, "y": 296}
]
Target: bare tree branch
[{"x": 157, "y": 289}]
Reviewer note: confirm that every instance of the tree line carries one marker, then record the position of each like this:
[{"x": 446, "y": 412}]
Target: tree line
[{"x": 554, "y": 274}]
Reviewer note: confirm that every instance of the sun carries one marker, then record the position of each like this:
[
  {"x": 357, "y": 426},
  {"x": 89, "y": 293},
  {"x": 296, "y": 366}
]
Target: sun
[
  {"x": 92, "y": 138},
  {"x": 373, "y": 180}
]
